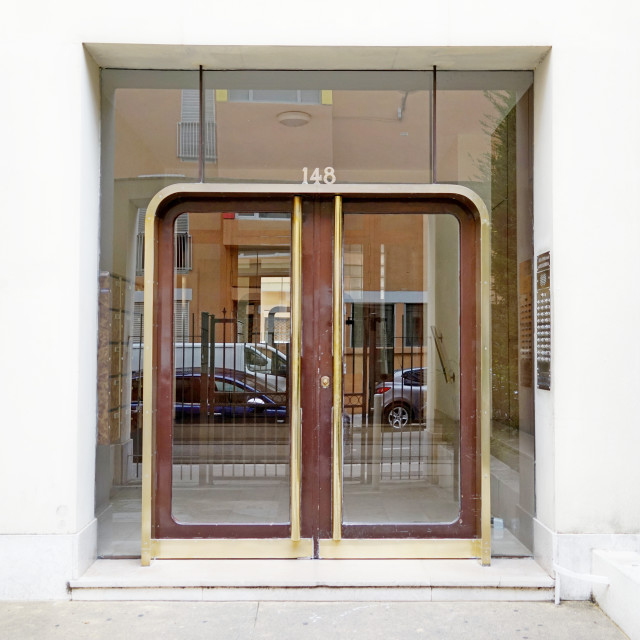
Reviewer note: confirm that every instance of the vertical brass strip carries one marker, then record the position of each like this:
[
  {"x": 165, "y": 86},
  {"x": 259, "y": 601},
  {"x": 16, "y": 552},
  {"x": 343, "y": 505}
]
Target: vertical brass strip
[
  {"x": 294, "y": 370},
  {"x": 485, "y": 386},
  {"x": 337, "y": 370},
  {"x": 148, "y": 400}
]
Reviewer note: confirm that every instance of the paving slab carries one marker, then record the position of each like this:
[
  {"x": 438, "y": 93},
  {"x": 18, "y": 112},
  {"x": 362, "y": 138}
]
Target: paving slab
[{"x": 295, "y": 620}]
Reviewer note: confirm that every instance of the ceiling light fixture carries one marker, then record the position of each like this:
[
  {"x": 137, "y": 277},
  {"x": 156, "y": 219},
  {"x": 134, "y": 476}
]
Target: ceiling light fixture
[{"x": 293, "y": 118}]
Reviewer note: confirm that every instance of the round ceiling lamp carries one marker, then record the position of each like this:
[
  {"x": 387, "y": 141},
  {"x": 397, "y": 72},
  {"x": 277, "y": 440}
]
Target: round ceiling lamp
[{"x": 293, "y": 118}]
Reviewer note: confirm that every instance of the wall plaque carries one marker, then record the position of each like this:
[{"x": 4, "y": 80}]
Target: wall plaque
[
  {"x": 525, "y": 322},
  {"x": 543, "y": 320}
]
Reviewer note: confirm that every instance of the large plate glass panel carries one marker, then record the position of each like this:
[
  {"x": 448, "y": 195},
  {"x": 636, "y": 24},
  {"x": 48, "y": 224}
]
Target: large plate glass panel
[
  {"x": 484, "y": 139},
  {"x": 139, "y": 156},
  {"x": 231, "y": 337},
  {"x": 281, "y": 127},
  {"x": 402, "y": 369}
]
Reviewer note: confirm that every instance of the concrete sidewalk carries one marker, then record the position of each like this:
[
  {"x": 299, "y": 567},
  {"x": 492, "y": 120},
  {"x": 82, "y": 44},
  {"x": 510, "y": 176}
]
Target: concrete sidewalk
[{"x": 296, "y": 620}]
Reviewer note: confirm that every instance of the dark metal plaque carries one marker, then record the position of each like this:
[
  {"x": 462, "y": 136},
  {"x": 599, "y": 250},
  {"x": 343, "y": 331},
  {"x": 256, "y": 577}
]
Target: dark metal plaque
[
  {"x": 543, "y": 320},
  {"x": 525, "y": 324}
]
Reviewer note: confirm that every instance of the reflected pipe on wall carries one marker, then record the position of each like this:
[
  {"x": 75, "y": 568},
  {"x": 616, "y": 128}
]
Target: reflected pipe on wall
[
  {"x": 433, "y": 127},
  {"x": 201, "y": 125}
]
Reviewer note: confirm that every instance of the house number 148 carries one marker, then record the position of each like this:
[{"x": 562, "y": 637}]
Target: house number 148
[{"x": 328, "y": 176}]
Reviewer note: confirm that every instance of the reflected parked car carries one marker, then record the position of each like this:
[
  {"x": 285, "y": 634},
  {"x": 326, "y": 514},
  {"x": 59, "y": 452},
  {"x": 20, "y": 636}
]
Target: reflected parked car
[
  {"x": 234, "y": 396},
  {"x": 404, "y": 397},
  {"x": 237, "y": 397},
  {"x": 240, "y": 408}
]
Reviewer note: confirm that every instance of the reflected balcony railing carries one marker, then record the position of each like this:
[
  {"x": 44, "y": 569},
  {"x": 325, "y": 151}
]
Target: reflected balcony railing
[
  {"x": 182, "y": 252},
  {"x": 189, "y": 141}
]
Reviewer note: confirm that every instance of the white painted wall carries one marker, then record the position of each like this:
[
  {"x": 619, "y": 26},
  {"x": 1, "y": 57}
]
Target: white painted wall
[
  {"x": 48, "y": 265},
  {"x": 595, "y": 291},
  {"x": 586, "y": 166},
  {"x": 48, "y": 288}
]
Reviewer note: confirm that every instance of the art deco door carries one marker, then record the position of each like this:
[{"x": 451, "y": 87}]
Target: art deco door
[{"x": 313, "y": 373}]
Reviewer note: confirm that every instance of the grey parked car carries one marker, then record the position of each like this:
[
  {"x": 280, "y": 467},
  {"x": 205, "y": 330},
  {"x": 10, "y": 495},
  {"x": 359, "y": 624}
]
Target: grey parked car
[{"x": 403, "y": 397}]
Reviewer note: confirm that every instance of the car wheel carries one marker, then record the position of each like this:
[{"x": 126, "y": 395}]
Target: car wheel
[{"x": 397, "y": 416}]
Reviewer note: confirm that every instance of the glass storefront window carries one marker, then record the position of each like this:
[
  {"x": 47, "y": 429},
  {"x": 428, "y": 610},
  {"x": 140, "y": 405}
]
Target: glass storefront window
[
  {"x": 368, "y": 127},
  {"x": 285, "y": 127},
  {"x": 484, "y": 129},
  {"x": 141, "y": 115}
]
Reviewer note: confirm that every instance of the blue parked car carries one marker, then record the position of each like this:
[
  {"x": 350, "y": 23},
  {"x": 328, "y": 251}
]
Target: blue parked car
[
  {"x": 241, "y": 409},
  {"x": 233, "y": 396}
]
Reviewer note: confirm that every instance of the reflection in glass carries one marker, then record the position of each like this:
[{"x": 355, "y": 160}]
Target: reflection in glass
[
  {"x": 366, "y": 127},
  {"x": 371, "y": 127},
  {"x": 231, "y": 416},
  {"x": 140, "y": 113},
  {"x": 484, "y": 142},
  {"x": 401, "y": 382}
]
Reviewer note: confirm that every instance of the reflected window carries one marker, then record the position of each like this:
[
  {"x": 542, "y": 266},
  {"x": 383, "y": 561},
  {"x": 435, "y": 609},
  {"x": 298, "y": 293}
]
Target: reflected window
[
  {"x": 413, "y": 324},
  {"x": 291, "y": 96},
  {"x": 183, "y": 243},
  {"x": 189, "y": 126},
  {"x": 379, "y": 319}
]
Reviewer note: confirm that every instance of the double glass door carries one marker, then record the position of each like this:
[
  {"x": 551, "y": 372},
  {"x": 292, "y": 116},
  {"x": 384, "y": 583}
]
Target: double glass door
[{"x": 313, "y": 370}]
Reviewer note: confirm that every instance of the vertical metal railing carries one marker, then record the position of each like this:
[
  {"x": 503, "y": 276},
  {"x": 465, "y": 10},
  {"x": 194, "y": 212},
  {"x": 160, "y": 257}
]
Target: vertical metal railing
[{"x": 403, "y": 454}]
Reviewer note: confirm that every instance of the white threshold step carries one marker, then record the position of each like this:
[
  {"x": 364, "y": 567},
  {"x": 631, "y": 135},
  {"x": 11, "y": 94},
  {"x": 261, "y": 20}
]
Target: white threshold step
[{"x": 315, "y": 580}]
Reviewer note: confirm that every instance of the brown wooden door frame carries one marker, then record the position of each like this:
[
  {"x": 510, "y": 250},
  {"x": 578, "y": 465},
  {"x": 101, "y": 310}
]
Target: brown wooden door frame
[
  {"x": 317, "y": 321},
  {"x": 317, "y": 361},
  {"x": 164, "y": 524}
]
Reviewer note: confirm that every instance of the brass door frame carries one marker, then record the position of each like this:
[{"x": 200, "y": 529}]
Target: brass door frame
[
  {"x": 294, "y": 546},
  {"x": 469, "y": 535}
]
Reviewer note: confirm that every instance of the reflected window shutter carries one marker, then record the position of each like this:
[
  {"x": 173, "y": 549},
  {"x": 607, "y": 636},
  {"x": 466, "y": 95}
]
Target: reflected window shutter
[
  {"x": 138, "y": 308},
  {"x": 180, "y": 320},
  {"x": 182, "y": 224},
  {"x": 190, "y": 105},
  {"x": 142, "y": 212}
]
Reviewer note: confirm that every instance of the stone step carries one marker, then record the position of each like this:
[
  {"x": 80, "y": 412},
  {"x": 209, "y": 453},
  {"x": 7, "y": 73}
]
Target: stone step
[
  {"x": 620, "y": 597},
  {"x": 516, "y": 579}
]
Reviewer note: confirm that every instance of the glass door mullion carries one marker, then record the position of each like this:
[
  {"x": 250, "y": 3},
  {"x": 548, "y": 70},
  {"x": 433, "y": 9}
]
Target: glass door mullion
[
  {"x": 338, "y": 347},
  {"x": 294, "y": 365}
]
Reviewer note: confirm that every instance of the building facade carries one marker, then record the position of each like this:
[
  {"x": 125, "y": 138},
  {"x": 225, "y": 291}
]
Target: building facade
[{"x": 523, "y": 118}]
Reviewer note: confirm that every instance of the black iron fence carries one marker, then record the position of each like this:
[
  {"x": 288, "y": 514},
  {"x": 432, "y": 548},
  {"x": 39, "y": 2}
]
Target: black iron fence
[{"x": 231, "y": 407}]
